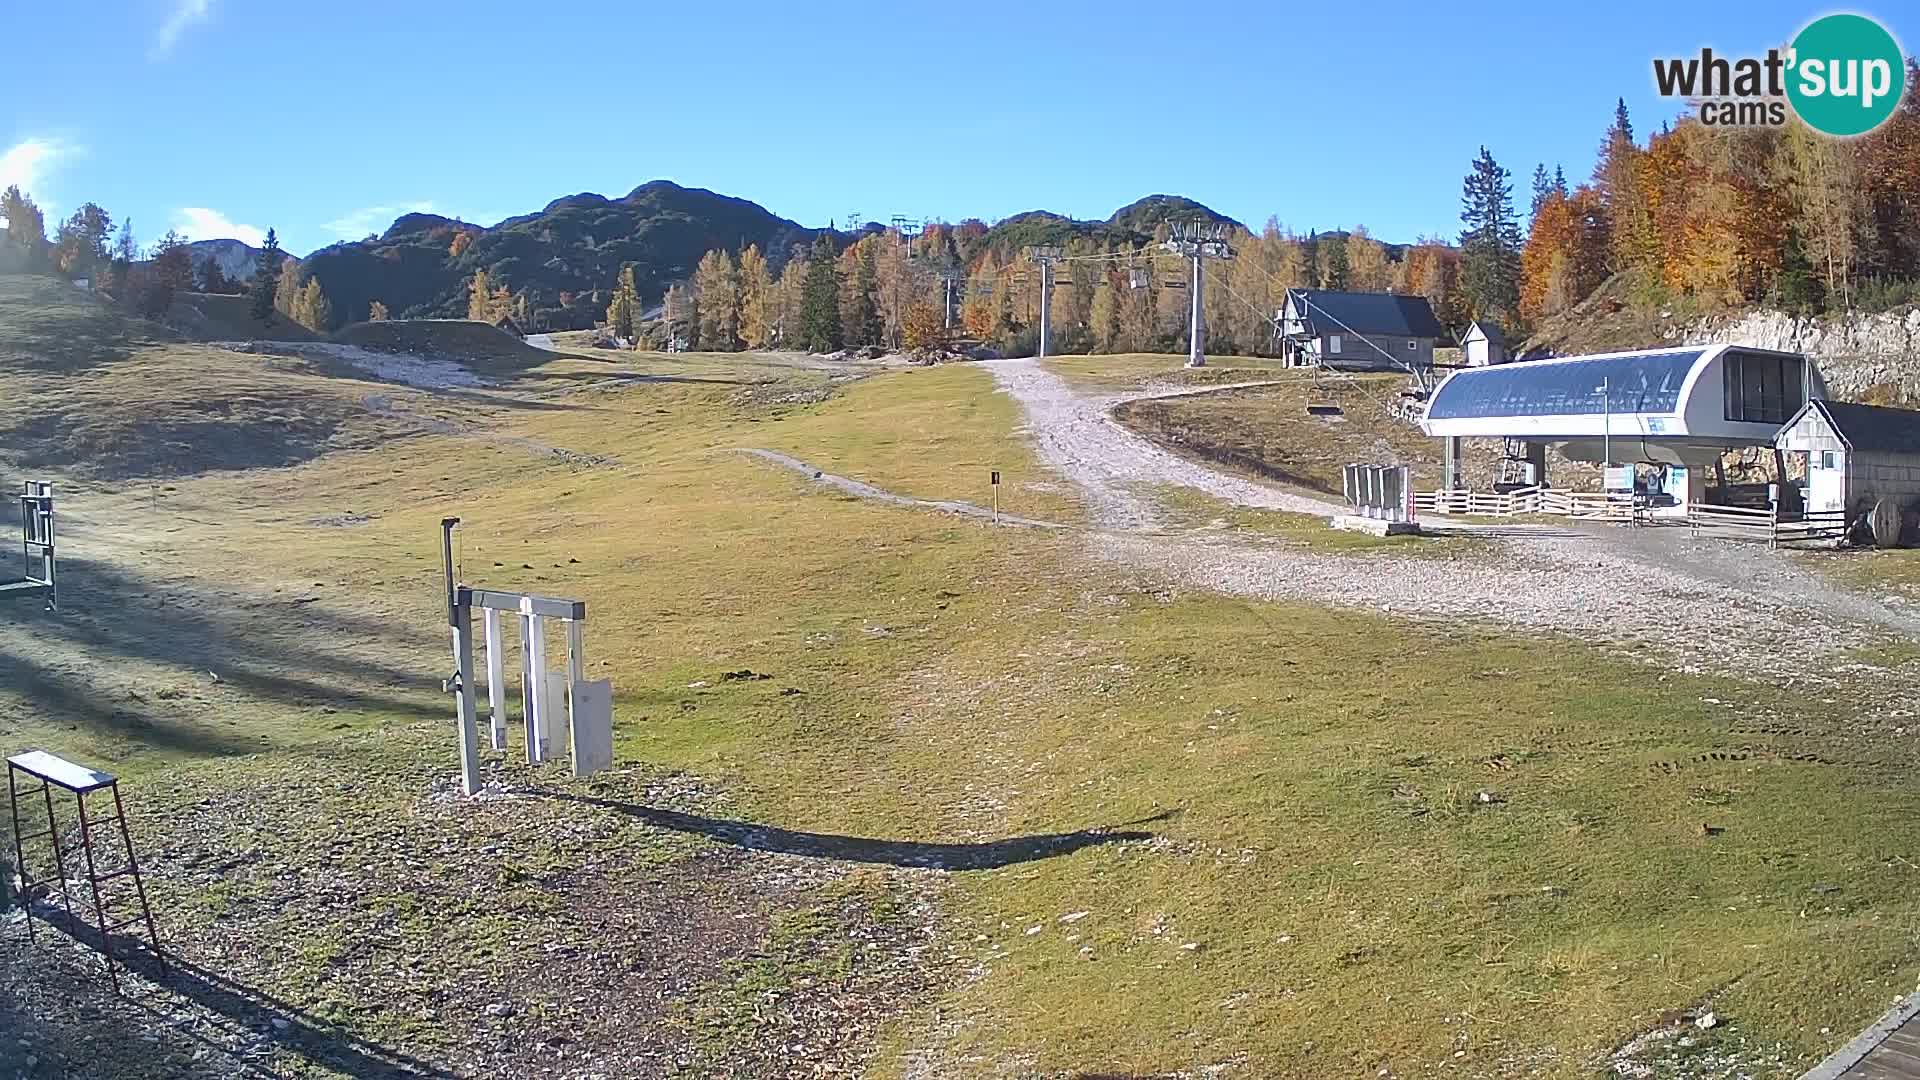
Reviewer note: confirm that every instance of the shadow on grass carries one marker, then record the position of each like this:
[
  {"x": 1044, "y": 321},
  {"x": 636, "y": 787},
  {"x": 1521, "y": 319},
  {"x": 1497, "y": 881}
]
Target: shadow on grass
[
  {"x": 910, "y": 853},
  {"x": 280, "y": 652},
  {"x": 323, "y": 1044}
]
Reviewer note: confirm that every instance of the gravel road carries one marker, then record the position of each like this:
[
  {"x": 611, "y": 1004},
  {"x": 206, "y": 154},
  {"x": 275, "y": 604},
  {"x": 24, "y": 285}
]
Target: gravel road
[
  {"x": 1697, "y": 604},
  {"x": 1077, "y": 435}
]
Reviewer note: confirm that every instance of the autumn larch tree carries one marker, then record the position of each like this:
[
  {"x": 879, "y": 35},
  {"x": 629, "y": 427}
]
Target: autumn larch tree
[
  {"x": 623, "y": 310},
  {"x": 756, "y": 299},
  {"x": 377, "y": 312},
  {"x": 717, "y": 285},
  {"x": 1490, "y": 243}
]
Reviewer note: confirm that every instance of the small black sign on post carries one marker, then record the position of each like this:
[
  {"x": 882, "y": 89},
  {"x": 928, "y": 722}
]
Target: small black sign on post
[{"x": 996, "y": 495}]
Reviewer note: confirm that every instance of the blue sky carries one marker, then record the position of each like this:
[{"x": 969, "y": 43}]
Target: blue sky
[{"x": 222, "y": 117}]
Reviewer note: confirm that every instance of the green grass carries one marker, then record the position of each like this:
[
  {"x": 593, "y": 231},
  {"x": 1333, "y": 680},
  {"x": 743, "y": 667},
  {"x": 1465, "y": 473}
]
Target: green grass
[{"x": 1353, "y": 902}]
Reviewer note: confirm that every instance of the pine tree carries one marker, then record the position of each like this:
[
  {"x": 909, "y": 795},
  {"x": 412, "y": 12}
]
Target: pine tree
[
  {"x": 859, "y": 314},
  {"x": 266, "y": 276},
  {"x": 1330, "y": 264},
  {"x": 1542, "y": 187},
  {"x": 820, "y": 300},
  {"x": 1490, "y": 243},
  {"x": 25, "y": 246},
  {"x": 213, "y": 280}
]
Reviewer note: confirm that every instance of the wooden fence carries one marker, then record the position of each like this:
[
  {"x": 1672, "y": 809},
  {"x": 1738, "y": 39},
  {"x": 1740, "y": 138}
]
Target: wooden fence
[
  {"x": 1529, "y": 500},
  {"x": 1770, "y": 525}
]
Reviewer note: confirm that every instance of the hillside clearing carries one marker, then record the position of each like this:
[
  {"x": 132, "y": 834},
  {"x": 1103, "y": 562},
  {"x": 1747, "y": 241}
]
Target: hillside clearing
[{"x": 976, "y": 795}]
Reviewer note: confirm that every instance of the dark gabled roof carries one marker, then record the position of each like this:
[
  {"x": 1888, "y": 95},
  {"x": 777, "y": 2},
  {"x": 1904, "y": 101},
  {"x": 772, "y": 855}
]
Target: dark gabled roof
[
  {"x": 1366, "y": 313},
  {"x": 1488, "y": 329},
  {"x": 1873, "y": 428}
]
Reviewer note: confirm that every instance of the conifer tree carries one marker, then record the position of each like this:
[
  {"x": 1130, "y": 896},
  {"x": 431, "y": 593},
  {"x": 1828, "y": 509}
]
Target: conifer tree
[
  {"x": 1490, "y": 243},
  {"x": 861, "y": 318},
  {"x": 820, "y": 300},
  {"x": 266, "y": 275},
  {"x": 1542, "y": 187},
  {"x": 25, "y": 246}
]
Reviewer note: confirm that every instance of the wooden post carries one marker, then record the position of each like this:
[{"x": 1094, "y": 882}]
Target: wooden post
[{"x": 496, "y": 677}]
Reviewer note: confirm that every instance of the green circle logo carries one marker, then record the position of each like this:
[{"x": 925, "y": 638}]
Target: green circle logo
[{"x": 1845, "y": 75}]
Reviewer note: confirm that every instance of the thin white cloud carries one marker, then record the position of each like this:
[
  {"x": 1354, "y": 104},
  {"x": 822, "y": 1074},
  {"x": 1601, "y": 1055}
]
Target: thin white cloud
[
  {"x": 184, "y": 15},
  {"x": 355, "y": 224},
  {"x": 31, "y": 162},
  {"x": 200, "y": 223}
]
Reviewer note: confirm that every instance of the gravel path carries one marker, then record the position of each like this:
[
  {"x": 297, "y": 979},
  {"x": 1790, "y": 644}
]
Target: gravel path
[
  {"x": 1700, "y": 604},
  {"x": 1077, "y": 435},
  {"x": 868, "y": 491}
]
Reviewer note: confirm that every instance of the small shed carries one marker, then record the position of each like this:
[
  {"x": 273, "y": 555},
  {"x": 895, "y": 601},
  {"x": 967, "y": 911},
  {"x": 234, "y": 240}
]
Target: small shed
[
  {"x": 1856, "y": 455},
  {"x": 1484, "y": 345}
]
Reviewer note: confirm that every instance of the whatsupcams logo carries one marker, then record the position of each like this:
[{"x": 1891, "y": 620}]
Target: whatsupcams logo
[{"x": 1843, "y": 75}]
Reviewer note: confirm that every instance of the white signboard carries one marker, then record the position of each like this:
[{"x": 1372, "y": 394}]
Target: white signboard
[{"x": 1619, "y": 478}]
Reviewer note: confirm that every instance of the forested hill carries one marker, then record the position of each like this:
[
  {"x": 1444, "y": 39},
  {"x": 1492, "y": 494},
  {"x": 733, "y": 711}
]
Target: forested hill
[{"x": 562, "y": 261}]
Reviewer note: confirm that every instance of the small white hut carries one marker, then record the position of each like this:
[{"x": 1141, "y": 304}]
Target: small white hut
[
  {"x": 1484, "y": 345},
  {"x": 1857, "y": 455}
]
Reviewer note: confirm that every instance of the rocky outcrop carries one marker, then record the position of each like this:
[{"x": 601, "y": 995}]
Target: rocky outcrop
[{"x": 1864, "y": 357}]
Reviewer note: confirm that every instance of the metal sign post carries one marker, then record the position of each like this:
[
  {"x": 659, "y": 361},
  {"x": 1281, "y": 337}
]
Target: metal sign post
[{"x": 996, "y": 495}]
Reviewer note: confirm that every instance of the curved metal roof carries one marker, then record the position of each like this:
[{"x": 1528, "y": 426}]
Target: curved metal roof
[{"x": 1642, "y": 382}]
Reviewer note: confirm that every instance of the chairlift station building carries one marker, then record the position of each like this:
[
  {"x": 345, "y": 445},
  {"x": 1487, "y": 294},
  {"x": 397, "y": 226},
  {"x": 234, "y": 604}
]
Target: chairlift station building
[{"x": 1681, "y": 407}]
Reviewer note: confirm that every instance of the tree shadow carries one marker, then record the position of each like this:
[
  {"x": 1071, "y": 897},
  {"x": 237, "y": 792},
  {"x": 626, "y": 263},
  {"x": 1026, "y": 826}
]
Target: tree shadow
[
  {"x": 990, "y": 855},
  {"x": 276, "y": 650},
  {"x": 322, "y": 1043}
]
